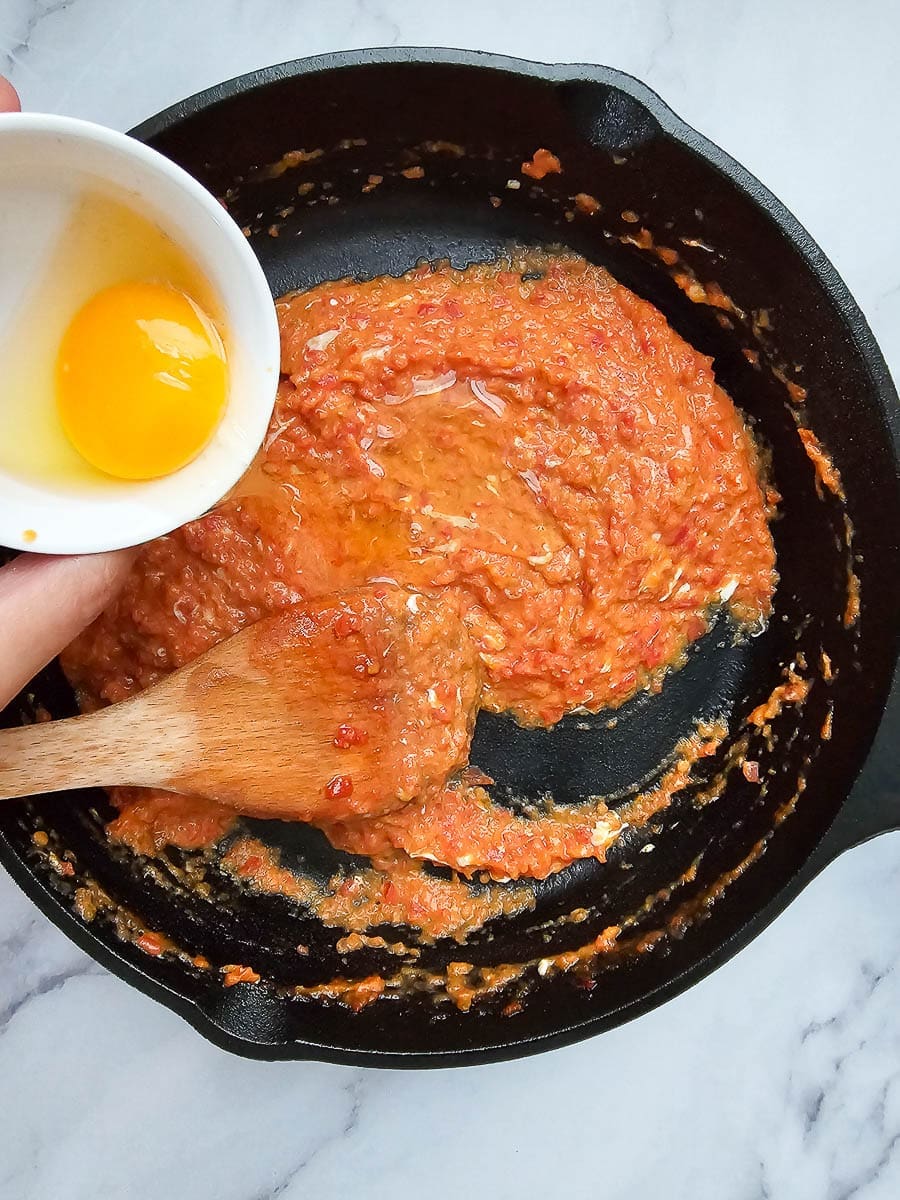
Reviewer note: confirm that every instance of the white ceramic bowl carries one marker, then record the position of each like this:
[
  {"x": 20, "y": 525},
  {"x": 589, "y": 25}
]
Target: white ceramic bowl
[{"x": 44, "y": 161}]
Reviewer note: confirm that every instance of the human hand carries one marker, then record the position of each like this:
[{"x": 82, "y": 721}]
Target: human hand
[
  {"x": 9, "y": 97},
  {"x": 46, "y": 600}
]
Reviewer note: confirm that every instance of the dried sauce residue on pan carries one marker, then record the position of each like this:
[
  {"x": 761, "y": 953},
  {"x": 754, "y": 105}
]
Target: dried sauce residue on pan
[
  {"x": 528, "y": 435},
  {"x": 464, "y": 983},
  {"x": 827, "y": 474},
  {"x": 393, "y": 890}
]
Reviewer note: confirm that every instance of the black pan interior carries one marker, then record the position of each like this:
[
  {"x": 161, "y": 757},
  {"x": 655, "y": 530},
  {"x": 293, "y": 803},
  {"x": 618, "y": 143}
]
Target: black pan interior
[{"x": 470, "y": 122}]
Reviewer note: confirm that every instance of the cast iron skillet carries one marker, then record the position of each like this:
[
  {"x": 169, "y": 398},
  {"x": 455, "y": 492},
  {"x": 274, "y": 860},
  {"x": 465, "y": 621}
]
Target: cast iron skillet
[{"x": 755, "y": 847}]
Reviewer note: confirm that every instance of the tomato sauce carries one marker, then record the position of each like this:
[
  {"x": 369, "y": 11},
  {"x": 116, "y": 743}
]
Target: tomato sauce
[
  {"x": 529, "y": 435},
  {"x": 394, "y": 890}
]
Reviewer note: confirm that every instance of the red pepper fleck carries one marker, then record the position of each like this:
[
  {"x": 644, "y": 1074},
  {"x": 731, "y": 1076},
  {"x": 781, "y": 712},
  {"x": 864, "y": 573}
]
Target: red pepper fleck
[
  {"x": 751, "y": 771},
  {"x": 453, "y": 309},
  {"x": 345, "y": 624},
  {"x": 150, "y": 943},
  {"x": 349, "y": 735},
  {"x": 425, "y": 310},
  {"x": 238, "y": 974},
  {"x": 339, "y": 787},
  {"x": 390, "y": 893}
]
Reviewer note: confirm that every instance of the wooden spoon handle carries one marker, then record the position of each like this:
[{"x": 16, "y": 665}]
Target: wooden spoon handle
[{"x": 93, "y": 750}]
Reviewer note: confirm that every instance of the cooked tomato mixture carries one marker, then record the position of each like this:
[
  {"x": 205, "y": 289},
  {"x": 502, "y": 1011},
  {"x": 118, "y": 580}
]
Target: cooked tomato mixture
[
  {"x": 528, "y": 435},
  {"x": 459, "y": 827}
]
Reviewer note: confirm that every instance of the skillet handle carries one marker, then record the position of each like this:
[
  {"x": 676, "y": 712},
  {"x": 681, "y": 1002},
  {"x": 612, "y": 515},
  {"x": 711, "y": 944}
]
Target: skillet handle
[{"x": 873, "y": 806}]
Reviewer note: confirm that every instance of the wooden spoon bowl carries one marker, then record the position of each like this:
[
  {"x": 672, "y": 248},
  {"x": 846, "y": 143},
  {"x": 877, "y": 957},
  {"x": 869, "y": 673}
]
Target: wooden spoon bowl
[{"x": 346, "y": 706}]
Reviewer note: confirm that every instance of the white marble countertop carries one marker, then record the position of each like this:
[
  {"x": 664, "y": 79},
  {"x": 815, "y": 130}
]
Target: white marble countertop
[{"x": 778, "y": 1076}]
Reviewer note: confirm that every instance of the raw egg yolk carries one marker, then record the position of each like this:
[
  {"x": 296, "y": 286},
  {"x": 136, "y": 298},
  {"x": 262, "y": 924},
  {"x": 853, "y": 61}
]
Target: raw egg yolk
[{"x": 141, "y": 380}]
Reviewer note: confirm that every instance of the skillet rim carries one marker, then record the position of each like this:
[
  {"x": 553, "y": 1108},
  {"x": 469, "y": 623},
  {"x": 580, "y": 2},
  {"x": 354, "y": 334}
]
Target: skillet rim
[{"x": 827, "y": 846}]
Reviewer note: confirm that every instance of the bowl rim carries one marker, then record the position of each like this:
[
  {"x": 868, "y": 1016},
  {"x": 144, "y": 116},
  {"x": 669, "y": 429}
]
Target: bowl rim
[{"x": 133, "y": 512}]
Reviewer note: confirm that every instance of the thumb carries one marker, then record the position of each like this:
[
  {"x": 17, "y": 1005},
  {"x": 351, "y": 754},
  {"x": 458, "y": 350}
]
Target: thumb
[{"x": 44, "y": 602}]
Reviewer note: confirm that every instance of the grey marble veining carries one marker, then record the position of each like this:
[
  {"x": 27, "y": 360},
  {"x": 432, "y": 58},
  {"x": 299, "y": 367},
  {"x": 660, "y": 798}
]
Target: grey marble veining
[{"x": 779, "y": 1076}]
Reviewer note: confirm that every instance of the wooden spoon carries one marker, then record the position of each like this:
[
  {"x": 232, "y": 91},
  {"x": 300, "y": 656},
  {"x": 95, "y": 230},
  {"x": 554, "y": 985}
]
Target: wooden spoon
[{"x": 346, "y": 706}]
